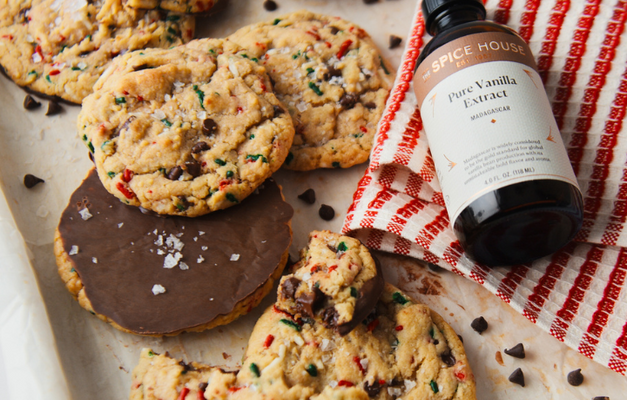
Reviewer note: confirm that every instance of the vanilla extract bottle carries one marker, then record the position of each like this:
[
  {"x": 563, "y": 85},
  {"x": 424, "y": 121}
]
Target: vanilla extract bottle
[{"x": 510, "y": 191}]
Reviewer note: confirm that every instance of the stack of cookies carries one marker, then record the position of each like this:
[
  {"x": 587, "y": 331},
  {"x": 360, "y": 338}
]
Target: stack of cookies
[{"x": 180, "y": 136}]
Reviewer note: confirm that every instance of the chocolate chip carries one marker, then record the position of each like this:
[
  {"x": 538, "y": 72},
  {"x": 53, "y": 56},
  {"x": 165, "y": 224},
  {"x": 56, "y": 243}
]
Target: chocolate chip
[
  {"x": 436, "y": 342},
  {"x": 309, "y": 302},
  {"x": 193, "y": 167},
  {"x": 334, "y": 30},
  {"x": 186, "y": 367},
  {"x": 517, "y": 377},
  {"x": 333, "y": 249},
  {"x": 395, "y": 41},
  {"x": 175, "y": 173},
  {"x": 329, "y": 317},
  {"x": 326, "y": 212},
  {"x": 479, "y": 324},
  {"x": 200, "y": 146},
  {"x": 575, "y": 378},
  {"x": 30, "y": 181},
  {"x": 308, "y": 196},
  {"x": 370, "y": 1},
  {"x": 348, "y": 101},
  {"x": 372, "y": 389},
  {"x": 371, "y": 105},
  {"x": 331, "y": 72},
  {"x": 448, "y": 358},
  {"x": 517, "y": 351},
  {"x": 30, "y": 103},
  {"x": 278, "y": 111},
  {"x": 209, "y": 127},
  {"x": 270, "y": 5},
  {"x": 289, "y": 286},
  {"x": 202, "y": 386},
  {"x": 183, "y": 204},
  {"x": 54, "y": 108}
]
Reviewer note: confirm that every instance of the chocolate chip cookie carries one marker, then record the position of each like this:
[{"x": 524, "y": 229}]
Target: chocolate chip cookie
[
  {"x": 153, "y": 275},
  {"x": 185, "y": 131},
  {"x": 329, "y": 74},
  {"x": 60, "y": 48}
]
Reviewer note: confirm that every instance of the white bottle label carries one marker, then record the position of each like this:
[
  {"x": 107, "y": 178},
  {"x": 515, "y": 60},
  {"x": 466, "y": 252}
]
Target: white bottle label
[{"x": 487, "y": 118}]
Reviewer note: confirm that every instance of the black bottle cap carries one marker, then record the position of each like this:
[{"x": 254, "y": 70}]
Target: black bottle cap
[{"x": 434, "y": 10}]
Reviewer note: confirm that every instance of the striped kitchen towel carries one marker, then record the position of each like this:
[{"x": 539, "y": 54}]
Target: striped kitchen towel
[{"x": 578, "y": 294}]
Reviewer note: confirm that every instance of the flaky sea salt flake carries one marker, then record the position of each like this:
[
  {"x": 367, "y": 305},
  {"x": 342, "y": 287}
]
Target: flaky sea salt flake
[
  {"x": 73, "y": 250},
  {"x": 85, "y": 214},
  {"x": 200, "y": 259},
  {"x": 157, "y": 289},
  {"x": 234, "y": 257}
]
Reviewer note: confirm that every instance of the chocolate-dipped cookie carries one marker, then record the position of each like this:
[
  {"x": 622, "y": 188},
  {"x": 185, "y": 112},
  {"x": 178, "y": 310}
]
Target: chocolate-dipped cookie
[
  {"x": 153, "y": 275},
  {"x": 337, "y": 282}
]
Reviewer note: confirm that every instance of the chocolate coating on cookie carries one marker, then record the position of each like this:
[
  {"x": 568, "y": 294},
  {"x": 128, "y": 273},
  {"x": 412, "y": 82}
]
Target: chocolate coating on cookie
[{"x": 229, "y": 254}]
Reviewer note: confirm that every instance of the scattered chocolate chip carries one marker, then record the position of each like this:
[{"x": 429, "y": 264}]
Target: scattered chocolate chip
[
  {"x": 200, "y": 146},
  {"x": 193, "y": 167},
  {"x": 329, "y": 317},
  {"x": 448, "y": 358},
  {"x": 372, "y": 389},
  {"x": 575, "y": 378},
  {"x": 348, "y": 101},
  {"x": 370, "y": 1},
  {"x": 289, "y": 286},
  {"x": 308, "y": 196},
  {"x": 479, "y": 324},
  {"x": 436, "y": 342},
  {"x": 309, "y": 302},
  {"x": 371, "y": 105},
  {"x": 334, "y": 30},
  {"x": 31, "y": 180},
  {"x": 278, "y": 110},
  {"x": 54, "y": 108},
  {"x": 517, "y": 377},
  {"x": 326, "y": 212},
  {"x": 601, "y": 398},
  {"x": 270, "y": 5},
  {"x": 209, "y": 127},
  {"x": 175, "y": 173},
  {"x": 202, "y": 386},
  {"x": 30, "y": 103},
  {"x": 517, "y": 351},
  {"x": 395, "y": 41}
]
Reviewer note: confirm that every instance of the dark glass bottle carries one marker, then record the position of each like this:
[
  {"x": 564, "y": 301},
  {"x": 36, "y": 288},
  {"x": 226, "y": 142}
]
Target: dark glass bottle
[{"x": 518, "y": 222}]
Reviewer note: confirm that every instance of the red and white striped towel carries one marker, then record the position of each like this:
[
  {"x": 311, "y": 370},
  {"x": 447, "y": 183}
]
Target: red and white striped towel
[{"x": 579, "y": 294}]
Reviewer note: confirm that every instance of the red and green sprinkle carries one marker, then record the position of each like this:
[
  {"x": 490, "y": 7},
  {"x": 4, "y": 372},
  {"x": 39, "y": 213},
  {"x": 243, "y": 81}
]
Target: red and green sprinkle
[
  {"x": 291, "y": 324},
  {"x": 312, "y": 370},
  {"x": 255, "y": 370}
]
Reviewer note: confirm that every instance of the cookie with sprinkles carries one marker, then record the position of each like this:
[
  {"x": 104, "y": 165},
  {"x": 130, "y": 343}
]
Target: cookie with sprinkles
[
  {"x": 158, "y": 376},
  {"x": 153, "y": 275},
  {"x": 337, "y": 282},
  {"x": 185, "y": 131},
  {"x": 329, "y": 74},
  {"x": 402, "y": 350},
  {"x": 204, "y": 7},
  {"x": 61, "y": 47}
]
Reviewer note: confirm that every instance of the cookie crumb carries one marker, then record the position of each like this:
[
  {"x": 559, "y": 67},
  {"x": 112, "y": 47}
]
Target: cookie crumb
[
  {"x": 30, "y": 181},
  {"x": 395, "y": 41},
  {"x": 517, "y": 377},
  {"x": 326, "y": 212},
  {"x": 73, "y": 250},
  {"x": 158, "y": 289},
  {"x": 308, "y": 196},
  {"x": 234, "y": 257},
  {"x": 479, "y": 325},
  {"x": 575, "y": 378},
  {"x": 517, "y": 351}
]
